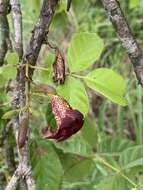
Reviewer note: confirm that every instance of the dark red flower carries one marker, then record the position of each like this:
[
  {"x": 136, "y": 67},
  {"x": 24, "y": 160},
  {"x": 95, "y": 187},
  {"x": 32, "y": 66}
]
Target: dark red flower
[{"x": 69, "y": 121}]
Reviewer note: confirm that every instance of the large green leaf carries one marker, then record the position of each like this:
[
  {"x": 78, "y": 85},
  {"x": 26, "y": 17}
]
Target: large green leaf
[
  {"x": 108, "y": 83},
  {"x": 47, "y": 168},
  {"x": 74, "y": 92},
  {"x": 84, "y": 49}
]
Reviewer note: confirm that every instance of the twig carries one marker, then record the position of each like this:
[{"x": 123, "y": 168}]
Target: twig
[
  {"x": 14, "y": 180},
  {"x": 29, "y": 180},
  {"x": 39, "y": 33},
  {"x": 17, "y": 18},
  {"x": 118, "y": 171},
  {"x": 125, "y": 36},
  {"x": 20, "y": 173},
  {"x": 5, "y": 42}
]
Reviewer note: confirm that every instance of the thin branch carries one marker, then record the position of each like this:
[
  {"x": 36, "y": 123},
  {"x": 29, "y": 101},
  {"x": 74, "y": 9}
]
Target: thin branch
[
  {"x": 125, "y": 35},
  {"x": 17, "y": 18},
  {"x": 29, "y": 180},
  {"x": 5, "y": 42},
  {"x": 14, "y": 180},
  {"x": 39, "y": 33}
]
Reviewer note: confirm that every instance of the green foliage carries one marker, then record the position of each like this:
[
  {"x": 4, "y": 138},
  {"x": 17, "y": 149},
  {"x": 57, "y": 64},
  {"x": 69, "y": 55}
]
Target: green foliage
[
  {"x": 8, "y": 72},
  {"x": 74, "y": 92},
  {"x": 133, "y": 4},
  {"x": 35, "y": 4},
  {"x": 12, "y": 58},
  {"x": 76, "y": 145},
  {"x": 114, "y": 145},
  {"x": 112, "y": 182},
  {"x": 132, "y": 157},
  {"x": 45, "y": 75},
  {"x": 89, "y": 132},
  {"x": 84, "y": 49},
  {"x": 47, "y": 168},
  {"x": 10, "y": 114},
  {"x": 78, "y": 169},
  {"x": 108, "y": 83},
  {"x": 51, "y": 121}
]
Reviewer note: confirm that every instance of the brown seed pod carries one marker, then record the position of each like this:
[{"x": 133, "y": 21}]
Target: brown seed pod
[
  {"x": 59, "y": 68},
  {"x": 22, "y": 133}
]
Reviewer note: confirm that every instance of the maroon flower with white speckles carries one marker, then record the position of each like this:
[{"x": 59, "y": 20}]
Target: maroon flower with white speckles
[{"x": 69, "y": 121}]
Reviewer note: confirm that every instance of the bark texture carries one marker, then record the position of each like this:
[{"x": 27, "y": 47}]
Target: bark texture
[
  {"x": 17, "y": 19},
  {"x": 125, "y": 35},
  {"x": 5, "y": 42}
]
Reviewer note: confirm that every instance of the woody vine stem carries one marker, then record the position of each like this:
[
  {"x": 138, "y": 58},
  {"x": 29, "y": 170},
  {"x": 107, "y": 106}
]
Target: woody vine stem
[{"x": 39, "y": 34}]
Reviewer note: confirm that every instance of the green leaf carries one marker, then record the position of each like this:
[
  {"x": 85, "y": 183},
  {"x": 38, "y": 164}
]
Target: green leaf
[
  {"x": 140, "y": 183},
  {"x": 47, "y": 168},
  {"x": 74, "y": 92},
  {"x": 114, "y": 145},
  {"x": 76, "y": 145},
  {"x": 45, "y": 76},
  {"x": 50, "y": 118},
  {"x": 2, "y": 80},
  {"x": 132, "y": 157},
  {"x": 84, "y": 49},
  {"x": 10, "y": 114},
  {"x": 108, "y": 83},
  {"x": 61, "y": 6},
  {"x": 75, "y": 168},
  {"x": 89, "y": 132},
  {"x": 113, "y": 183},
  {"x": 79, "y": 170},
  {"x": 133, "y": 3},
  {"x": 35, "y": 5},
  {"x": 8, "y": 72},
  {"x": 12, "y": 58}
]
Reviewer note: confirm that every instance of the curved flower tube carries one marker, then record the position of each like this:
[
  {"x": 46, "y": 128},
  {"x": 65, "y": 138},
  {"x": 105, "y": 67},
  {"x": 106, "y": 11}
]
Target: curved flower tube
[{"x": 69, "y": 120}]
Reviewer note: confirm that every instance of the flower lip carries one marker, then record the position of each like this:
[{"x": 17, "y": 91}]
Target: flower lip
[{"x": 69, "y": 120}]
